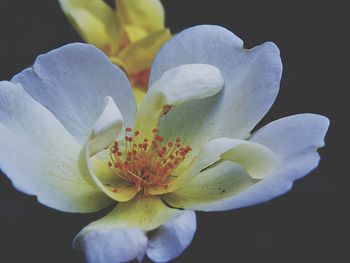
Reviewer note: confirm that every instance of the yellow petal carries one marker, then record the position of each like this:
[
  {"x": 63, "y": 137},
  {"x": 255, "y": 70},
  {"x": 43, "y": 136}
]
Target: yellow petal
[
  {"x": 139, "y": 55},
  {"x": 134, "y": 33},
  {"x": 94, "y": 20},
  {"x": 143, "y": 212},
  {"x": 139, "y": 95},
  {"x": 118, "y": 62},
  {"x": 147, "y": 14}
]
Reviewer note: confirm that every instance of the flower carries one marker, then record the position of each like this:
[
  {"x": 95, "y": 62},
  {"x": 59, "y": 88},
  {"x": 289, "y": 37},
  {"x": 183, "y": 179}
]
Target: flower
[
  {"x": 130, "y": 35},
  {"x": 189, "y": 147}
]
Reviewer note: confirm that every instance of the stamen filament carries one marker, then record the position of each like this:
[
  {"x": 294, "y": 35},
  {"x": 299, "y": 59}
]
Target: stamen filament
[{"x": 142, "y": 165}]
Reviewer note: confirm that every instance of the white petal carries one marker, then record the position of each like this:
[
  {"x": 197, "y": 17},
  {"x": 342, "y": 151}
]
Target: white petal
[
  {"x": 120, "y": 235},
  {"x": 174, "y": 87},
  {"x": 71, "y": 82},
  {"x": 294, "y": 142},
  {"x": 40, "y": 156},
  {"x": 219, "y": 182},
  {"x": 105, "y": 131},
  {"x": 172, "y": 238},
  {"x": 105, "y": 244},
  {"x": 251, "y": 78},
  {"x": 107, "y": 127}
]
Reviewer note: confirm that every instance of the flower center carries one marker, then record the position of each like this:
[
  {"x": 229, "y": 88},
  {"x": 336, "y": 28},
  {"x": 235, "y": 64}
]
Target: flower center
[{"x": 146, "y": 164}]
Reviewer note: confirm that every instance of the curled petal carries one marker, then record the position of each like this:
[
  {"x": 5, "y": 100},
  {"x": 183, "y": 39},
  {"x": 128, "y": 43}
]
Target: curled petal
[
  {"x": 252, "y": 79},
  {"x": 107, "y": 127},
  {"x": 176, "y": 86},
  {"x": 106, "y": 130},
  {"x": 218, "y": 182},
  {"x": 294, "y": 142},
  {"x": 252, "y": 159}
]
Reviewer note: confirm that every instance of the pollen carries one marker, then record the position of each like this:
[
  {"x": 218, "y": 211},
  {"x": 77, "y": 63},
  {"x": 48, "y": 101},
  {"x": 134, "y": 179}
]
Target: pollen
[{"x": 148, "y": 162}]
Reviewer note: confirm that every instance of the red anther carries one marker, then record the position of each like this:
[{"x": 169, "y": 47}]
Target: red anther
[
  {"x": 128, "y": 129},
  {"x": 145, "y": 164},
  {"x": 114, "y": 190}
]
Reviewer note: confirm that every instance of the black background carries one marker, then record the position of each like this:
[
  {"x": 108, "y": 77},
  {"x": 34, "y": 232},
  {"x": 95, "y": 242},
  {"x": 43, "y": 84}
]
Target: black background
[{"x": 308, "y": 224}]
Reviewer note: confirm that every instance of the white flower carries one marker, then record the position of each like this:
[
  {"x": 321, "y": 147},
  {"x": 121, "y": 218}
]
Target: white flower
[{"x": 71, "y": 135}]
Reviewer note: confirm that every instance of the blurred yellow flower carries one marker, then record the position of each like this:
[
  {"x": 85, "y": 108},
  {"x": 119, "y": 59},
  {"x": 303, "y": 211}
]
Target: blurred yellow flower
[{"x": 129, "y": 35}]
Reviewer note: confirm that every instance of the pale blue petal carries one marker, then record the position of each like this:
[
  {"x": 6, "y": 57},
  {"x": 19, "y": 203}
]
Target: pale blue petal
[
  {"x": 72, "y": 82},
  {"x": 172, "y": 238},
  {"x": 120, "y": 236},
  {"x": 294, "y": 141},
  {"x": 40, "y": 156},
  {"x": 252, "y": 79},
  {"x": 111, "y": 245}
]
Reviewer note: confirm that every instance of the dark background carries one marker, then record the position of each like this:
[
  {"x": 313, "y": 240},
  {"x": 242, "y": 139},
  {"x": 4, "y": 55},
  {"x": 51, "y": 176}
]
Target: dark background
[{"x": 308, "y": 224}]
